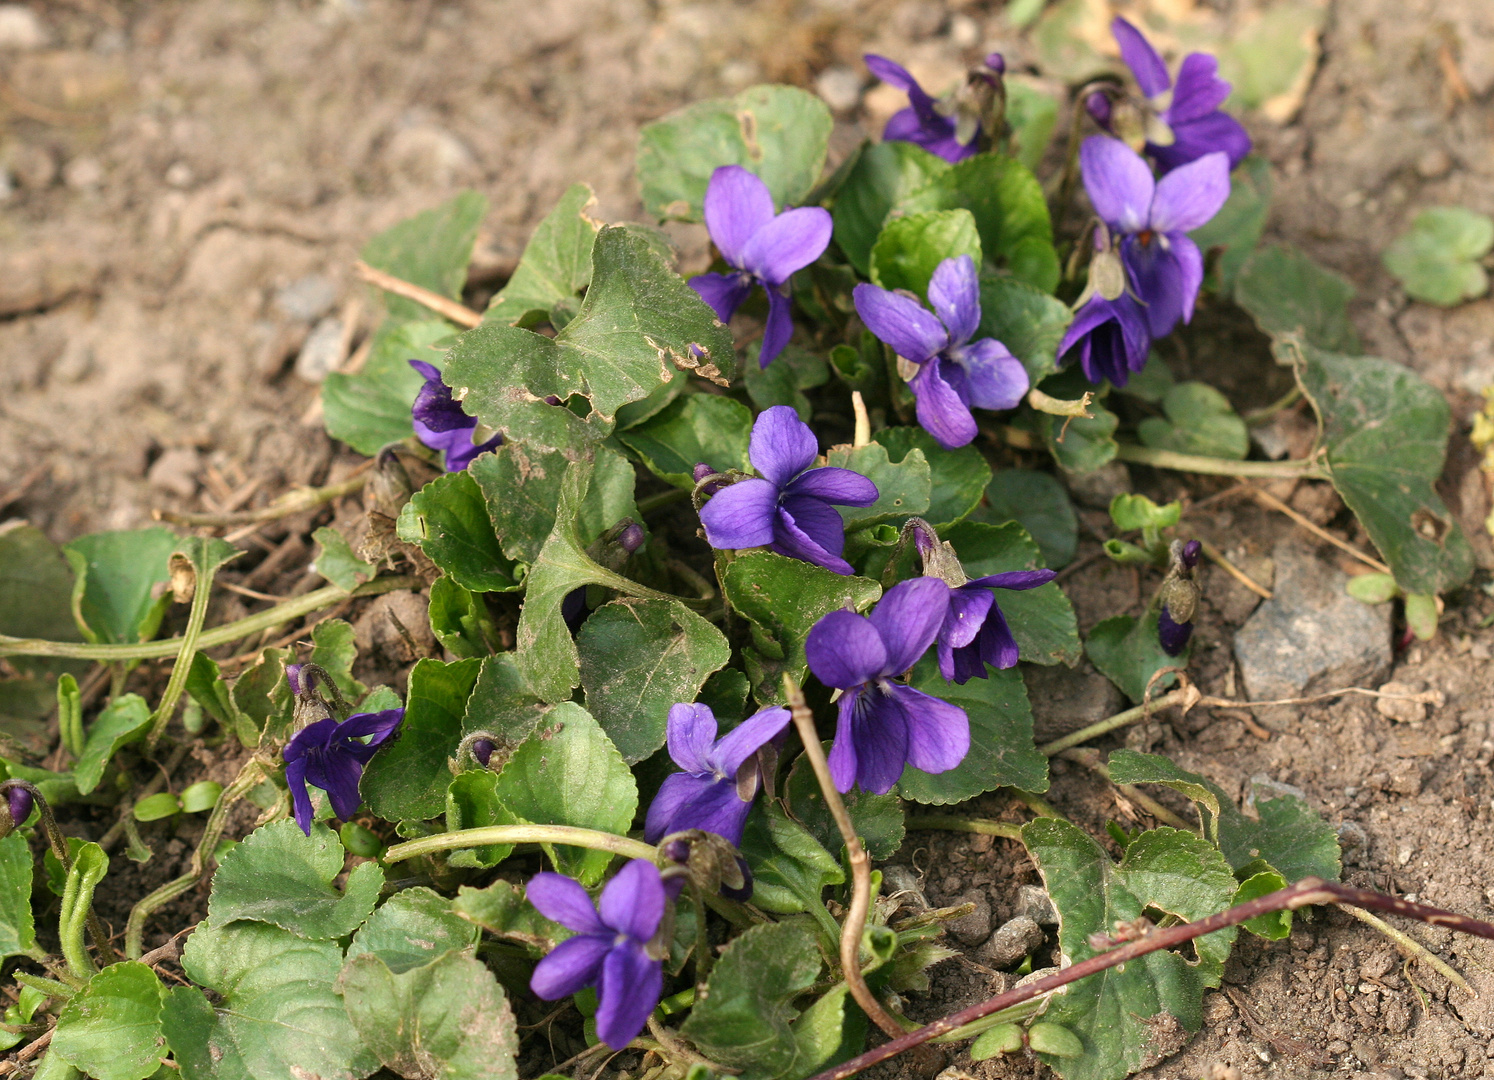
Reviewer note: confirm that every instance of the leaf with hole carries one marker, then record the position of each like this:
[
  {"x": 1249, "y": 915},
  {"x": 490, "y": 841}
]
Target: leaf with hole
[{"x": 1385, "y": 435}]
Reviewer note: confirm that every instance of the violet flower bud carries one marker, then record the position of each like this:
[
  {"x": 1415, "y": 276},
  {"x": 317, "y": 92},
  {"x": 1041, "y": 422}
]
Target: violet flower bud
[
  {"x": 18, "y": 804},
  {"x": 632, "y": 538},
  {"x": 1179, "y": 597},
  {"x": 482, "y": 751}
]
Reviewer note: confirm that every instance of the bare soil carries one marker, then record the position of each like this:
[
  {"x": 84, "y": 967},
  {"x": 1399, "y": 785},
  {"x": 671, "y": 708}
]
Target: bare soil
[{"x": 176, "y": 165}]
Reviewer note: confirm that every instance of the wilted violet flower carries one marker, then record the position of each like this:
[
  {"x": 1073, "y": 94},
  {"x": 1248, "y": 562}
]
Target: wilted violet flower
[
  {"x": 927, "y": 121},
  {"x": 789, "y": 510},
  {"x": 331, "y": 756},
  {"x": 719, "y": 782},
  {"x": 952, "y": 375},
  {"x": 611, "y": 949},
  {"x": 1186, "y": 121},
  {"x": 975, "y": 632},
  {"x": 1153, "y": 218},
  {"x": 762, "y": 248},
  {"x": 441, "y": 424},
  {"x": 1179, "y": 595},
  {"x": 1111, "y": 337},
  {"x": 885, "y": 725}
]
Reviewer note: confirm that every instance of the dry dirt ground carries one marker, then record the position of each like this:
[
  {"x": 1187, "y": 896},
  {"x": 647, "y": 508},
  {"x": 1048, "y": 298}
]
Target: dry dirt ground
[{"x": 174, "y": 172}]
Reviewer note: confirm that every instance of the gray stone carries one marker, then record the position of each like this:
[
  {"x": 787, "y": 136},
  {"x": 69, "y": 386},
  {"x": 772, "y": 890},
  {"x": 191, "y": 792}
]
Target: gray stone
[
  {"x": 1034, "y": 902},
  {"x": 839, "y": 87},
  {"x": 306, "y": 299},
  {"x": 1065, "y": 699},
  {"x": 176, "y": 471},
  {"x": 1012, "y": 942},
  {"x": 970, "y": 930},
  {"x": 1311, "y": 635},
  {"x": 321, "y": 353},
  {"x": 901, "y": 881}
]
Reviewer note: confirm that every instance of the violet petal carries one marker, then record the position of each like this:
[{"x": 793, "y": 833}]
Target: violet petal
[
  {"x": 778, "y": 329},
  {"x": 573, "y": 964},
  {"x": 633, "y": 901},
  {"x": 737, "y": 204},
  {"x": 954, "y": 294},
  {"x": 1118, "y": 181},
  {"x": 908, "y": 619},
  {"x": 1141, "y": 58},
  {"x": 627, "y": 992},
  {"x": 844, "y": 650},
  {"x": 913, "y": 332},
  {"x": 741, "y": 516},
  {"x": 1190, "y": 195},
  {"x": 782, "y": 445},
  {"x": 691, "y": 734},
  {"x": 996, "y": 379},
  {"x": 788, "y": 243},
  {"x": 723, "y": 292},
  {"x": 939, "y": 408},
  {"x": 1199, "y": 90},
  {"x": 563, "y": 900},
  {"x": 938, "y": 733},
  {"x": 835, "y": 485},
  {"x": 744, "y": 740}
]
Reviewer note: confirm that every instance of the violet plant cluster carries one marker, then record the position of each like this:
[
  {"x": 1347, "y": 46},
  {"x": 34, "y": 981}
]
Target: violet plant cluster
[{"x": 1145, "y": 279}]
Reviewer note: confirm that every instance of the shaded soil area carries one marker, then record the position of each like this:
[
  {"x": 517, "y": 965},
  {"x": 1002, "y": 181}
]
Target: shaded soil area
[{"x": 187, "y": 186}]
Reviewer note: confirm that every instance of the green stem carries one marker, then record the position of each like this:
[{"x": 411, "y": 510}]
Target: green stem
[
  {"x": 1034, "y": 802},
  {"x": 51, "y": 987},
  {"x": 949, "y": 823},
  {"x": 293, "y": 608},
  {"x": 1119, "y": 720},
  {"x": 253, "y": 771},
  {"x": 1005, "y": 1016},
  {"x": 73, "y": 921},
  {"x": 649, "y": 504},
  {"x": 521, "y": 834},
  {"x": 1213, "y": 466},
  {"x": 293, "y": 502},
  {"x": 201, "y": 597},
  {"x": 1257, "y": 417}
]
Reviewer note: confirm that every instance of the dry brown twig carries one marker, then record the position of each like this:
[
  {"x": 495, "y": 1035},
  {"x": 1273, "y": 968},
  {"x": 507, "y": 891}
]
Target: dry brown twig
[
  {"x": 1271, "y": 502},
  {"x": 450, "y": 309}
]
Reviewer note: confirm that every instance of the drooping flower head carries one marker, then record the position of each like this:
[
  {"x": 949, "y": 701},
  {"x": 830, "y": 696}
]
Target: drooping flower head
[
  {"x": 331, "y": 756},
  {"x": 884, "y": 725},
  {"x": 1179, "y": 596},
  {"x": 941, "y": 127},
  {"x": 763, "y": 248},
  {"x": 611, "y": 950},
  {"x": 974, "y": 632},
  {"x": 1152, "y": 219},
  {"x": 954, "y": 373},
  {"x": 788, "y": 507},
  {"x": 1184, "y": 122},
  {"x": 16, "y": 807},
  {"x": 714, "y": 793},
  {"x": 441, "y": 424},
  {"x": 1109, "y": 338}
]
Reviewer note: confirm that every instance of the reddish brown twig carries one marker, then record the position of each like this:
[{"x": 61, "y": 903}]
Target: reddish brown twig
[
  {"x": 1305, "y": 893},
  {"x": 457, "y": 313}
]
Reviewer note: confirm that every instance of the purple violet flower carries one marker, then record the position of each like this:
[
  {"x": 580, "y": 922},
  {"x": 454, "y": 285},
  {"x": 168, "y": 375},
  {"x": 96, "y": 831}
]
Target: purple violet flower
[
  {"x": 789, "y": 510},
  {"x": 611, "y": 949},
  {"x": 331, "y": 756},
  {"x": 720, "y": 779},
  {"x": 975, "y": 632},
  {"x": 441, "y": 424},
  {"x": 1152, "y": 218},
  {"x": 762, "y": 248},
  {"x": 952, "y": 375},
  {"x": 1188, "y": 111},
  {"x": 926, "y": 122},
  {"x": 884, "y": 725}
]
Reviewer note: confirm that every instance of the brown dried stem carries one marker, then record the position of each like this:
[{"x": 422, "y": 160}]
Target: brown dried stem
[
  {"x": 447, "y": 308},
  {"x": 855, "y": 921},
  {"x": 1307, "y": 892}
]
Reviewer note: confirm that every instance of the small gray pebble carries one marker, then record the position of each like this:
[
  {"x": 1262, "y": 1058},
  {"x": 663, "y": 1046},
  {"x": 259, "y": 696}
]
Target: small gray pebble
[
  {"x": 1012, "y": 943},
  {"x": 970, "y": 930},
  {"x": 1035, "y": 903}
]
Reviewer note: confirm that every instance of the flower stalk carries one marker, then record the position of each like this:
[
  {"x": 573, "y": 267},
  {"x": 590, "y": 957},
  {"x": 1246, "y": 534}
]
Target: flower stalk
[{"x": 855, "y": 921}]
